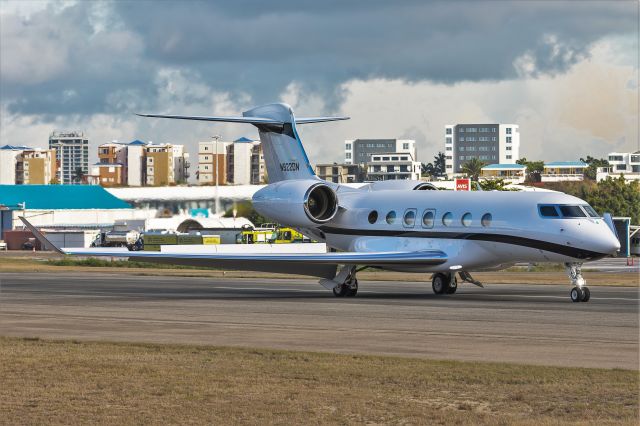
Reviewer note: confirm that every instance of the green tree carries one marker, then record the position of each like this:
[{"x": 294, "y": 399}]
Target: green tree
[
  {"x": 591, "y": 171},
  {"x": 612, "y": 195},
  {"x": 534, "y": 169},
  {"x": 78, "y": 175},
  {"x": 436, "y": 168},
  {"x": 493, "y": 185},
  {"x": 473, "y": 168},
  {"x": 245, "y": 209}
]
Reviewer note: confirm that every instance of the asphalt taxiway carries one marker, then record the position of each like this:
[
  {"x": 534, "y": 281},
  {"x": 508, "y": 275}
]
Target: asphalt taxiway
[{"x": 532, "y": 324}]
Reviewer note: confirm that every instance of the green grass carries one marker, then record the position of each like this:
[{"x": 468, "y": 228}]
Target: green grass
[
  {"x": 62, "y": 382},
  {"x": 95, "y": 262}
]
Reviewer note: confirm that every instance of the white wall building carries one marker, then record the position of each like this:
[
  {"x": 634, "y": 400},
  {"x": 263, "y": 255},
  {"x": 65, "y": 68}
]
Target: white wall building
[
  {"x": 626, "y": 164},
  {"x": 72, "y": 153},
  {"x": 245, "y": 162},
  {"x": 490, "y": 143},
  {"x": 207, "y": 164},
  {"x": 8, "y": 160},
  {"x": 359, "y": 151},
  {"x": 392, "y": 166}
]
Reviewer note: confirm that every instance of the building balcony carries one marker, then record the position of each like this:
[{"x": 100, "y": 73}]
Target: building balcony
[{"x": 573, "y": 177}]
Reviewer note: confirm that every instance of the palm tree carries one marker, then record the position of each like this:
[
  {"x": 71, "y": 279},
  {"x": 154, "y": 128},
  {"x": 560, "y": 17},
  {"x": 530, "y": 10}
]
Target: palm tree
[
  {"x": 473, "y": 168},
  {"x": 439, "y": 164},
  {"x": 78, "y": 175}
]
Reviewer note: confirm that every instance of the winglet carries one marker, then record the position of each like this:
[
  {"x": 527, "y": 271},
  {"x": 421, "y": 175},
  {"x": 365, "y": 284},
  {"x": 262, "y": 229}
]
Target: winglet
[{"x": 39, "y": 235}]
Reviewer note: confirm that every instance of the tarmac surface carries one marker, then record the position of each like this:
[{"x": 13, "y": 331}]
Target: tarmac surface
[{"x": 531, "y": 324}]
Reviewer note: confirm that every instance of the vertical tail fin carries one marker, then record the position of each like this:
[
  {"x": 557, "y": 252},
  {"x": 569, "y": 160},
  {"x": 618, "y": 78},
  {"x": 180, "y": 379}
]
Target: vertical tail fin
[{"x": 284, "y": 154}]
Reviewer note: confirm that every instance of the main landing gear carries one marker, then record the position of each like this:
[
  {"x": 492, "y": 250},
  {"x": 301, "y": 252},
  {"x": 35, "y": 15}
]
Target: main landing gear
[
  {"x": 444, "y": 283},
  {"x": 344, "y": 284},
  {"x": 348, "y": 289},
  {"x": 580, "y": 292}
]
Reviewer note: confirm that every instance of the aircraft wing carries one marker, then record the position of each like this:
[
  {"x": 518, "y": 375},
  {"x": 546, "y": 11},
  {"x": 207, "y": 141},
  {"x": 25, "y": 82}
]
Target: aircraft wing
[{"x": 322, "y": 265}]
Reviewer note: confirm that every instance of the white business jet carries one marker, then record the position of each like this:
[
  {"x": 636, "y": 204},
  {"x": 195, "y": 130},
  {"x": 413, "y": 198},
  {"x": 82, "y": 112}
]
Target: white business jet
[{"x": 398, "y": 225}]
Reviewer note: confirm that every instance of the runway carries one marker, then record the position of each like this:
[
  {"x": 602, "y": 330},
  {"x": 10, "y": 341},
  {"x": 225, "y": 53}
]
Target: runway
[{"x": 532, "y": 324}]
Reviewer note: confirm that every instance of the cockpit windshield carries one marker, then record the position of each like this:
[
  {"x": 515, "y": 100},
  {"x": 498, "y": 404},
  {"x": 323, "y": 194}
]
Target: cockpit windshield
[
  {"x": 565, "y": 211},
  {"x": 590, "y": 211},
  {"x": 572, "y": 211}
]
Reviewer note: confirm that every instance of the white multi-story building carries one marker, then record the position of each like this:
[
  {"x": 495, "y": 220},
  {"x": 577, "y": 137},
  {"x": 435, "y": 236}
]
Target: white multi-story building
[
  {"x": 8, "y": 160},
  {"x": 626, "y": 164},
  {"x": 72, "y": 155},
  {"x": 490, "y": 143},
  {"x": 359, "y": 151},
  {"x": 245, "y": 162},
  {"x": 392, "y": 166}
]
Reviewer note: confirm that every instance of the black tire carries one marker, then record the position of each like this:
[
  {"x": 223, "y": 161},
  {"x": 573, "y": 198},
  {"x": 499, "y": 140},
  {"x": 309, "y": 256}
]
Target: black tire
[
  {"x": 576, "y": 294},
  {"x": 439, "y": 283},
  {"x": 340, "y": 291},
  {"x": 586, "y": 294},
  {"x": 352, "y": 289}
]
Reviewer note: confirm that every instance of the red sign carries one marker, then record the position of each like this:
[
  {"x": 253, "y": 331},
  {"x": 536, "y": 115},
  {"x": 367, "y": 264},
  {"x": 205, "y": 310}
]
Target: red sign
[{"x": 463, "y": 184}]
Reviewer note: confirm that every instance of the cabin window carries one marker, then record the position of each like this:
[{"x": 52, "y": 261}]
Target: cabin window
[
  {"x": 373, "y": 217},
  {"x": 572, "y": 211},
  {"x": 447, "y": 219},
  {"x": 409, "y": 219},
  {"x": 548, "y": 211},
  {"x": 427, "y": 219},
  {"x": 391, "y": 217},
  {"x": 590, "y": 211},
  {"x": 486, "y": 220},
  {"x": 466, "y": 219}
]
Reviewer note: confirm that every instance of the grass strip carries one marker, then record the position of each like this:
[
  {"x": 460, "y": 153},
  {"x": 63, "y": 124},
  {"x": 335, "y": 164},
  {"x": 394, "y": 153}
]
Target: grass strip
[{"x": 58, "y": 382}]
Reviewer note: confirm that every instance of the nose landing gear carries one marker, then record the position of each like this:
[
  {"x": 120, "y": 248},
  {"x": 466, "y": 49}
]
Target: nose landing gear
[{"x": 580, "y": 292}]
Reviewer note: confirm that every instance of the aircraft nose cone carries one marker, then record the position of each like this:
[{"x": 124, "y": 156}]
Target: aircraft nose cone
[{"x": 611, "y": 244}]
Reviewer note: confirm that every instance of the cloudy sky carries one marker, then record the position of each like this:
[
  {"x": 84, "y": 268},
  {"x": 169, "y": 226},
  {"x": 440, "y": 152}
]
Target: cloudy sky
[{"x": 566, "y": 72}]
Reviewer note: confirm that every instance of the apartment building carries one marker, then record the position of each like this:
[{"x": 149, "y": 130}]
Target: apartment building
[
  {"x": 245, "y": 162},
  {"x": 36, "y": 167},
  {"x": 212, "y": 163},
  {"x": 341, "y": 173},
  {"x": 22, "y": 165},
  {"x": 626, "y": 164},
  {"x": 359, "y": 151},
  {"x": 490, "y": 143},
  {"x": 139, "y": 163},
  {"x": 393, "y": 166},
  {"x": 112, "y": 164},
  {"x": 72, "y": 155}
]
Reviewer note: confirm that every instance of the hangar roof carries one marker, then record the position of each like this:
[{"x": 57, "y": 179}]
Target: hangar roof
[{"x": 59, "y": 197}]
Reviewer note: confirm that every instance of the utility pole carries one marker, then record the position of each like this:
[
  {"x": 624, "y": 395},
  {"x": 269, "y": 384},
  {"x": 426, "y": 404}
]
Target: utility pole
[{"x": 216, "y": 138}]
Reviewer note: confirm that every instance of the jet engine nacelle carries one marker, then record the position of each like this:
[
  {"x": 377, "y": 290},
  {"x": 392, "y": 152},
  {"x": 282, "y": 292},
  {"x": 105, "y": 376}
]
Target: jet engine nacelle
[{"x": 297, "y": 202}]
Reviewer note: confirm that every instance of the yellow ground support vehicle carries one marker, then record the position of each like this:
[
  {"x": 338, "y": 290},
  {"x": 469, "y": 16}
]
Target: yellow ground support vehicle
[{"x": 271, "y": 236}]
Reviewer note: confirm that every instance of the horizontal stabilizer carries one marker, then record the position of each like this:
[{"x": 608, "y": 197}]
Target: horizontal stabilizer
[{"x": 249, "y": 120}]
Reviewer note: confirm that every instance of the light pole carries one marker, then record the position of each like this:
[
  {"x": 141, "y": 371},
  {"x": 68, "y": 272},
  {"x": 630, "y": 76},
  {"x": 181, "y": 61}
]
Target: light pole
[{"x": 216, "y": 138}]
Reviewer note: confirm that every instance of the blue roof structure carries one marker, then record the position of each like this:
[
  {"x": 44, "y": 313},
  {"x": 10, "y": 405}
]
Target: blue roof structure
[
  {"x": 243, "y": 139},
  {"x": 504, "y": 167},
  {"x": 60, "y": 197},
  {"x": 566, "y": 164},
  {"x": 15, "y": 147},
  {"x": 137, "y": 142}
]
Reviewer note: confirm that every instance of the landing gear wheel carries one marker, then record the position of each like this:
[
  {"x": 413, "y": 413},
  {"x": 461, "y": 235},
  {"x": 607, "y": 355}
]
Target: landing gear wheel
[
  {"x": 439, "y": 283},
  {"x": 577, "y": 295},
  {"x": 352, "y": 289},
  {"x": 341, "y": 290},
  {"x": 453, "y": 286},
  {"x": 586, "y": 294}
]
